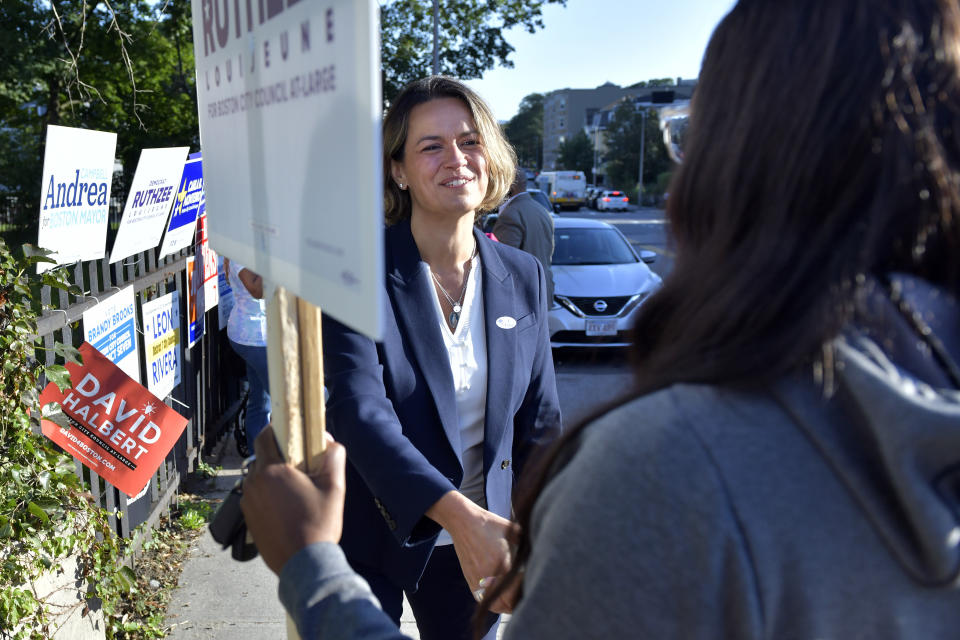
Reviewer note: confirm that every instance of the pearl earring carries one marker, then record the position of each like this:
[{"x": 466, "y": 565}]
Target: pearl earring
[{"x": 400, "y": 184}]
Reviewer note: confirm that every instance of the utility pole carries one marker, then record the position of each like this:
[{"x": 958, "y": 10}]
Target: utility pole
[
  {"x": 436, "y": 37},
  {"x": 643, "y": 139},
  {"x": 596, "y": 144}
]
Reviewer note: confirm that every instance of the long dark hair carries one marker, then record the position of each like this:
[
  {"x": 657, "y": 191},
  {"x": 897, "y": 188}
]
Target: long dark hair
[{"x": 823, "y": 148}]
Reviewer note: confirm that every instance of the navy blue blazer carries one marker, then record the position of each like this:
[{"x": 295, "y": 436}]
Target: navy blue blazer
[{"x": 392, "y": 403}]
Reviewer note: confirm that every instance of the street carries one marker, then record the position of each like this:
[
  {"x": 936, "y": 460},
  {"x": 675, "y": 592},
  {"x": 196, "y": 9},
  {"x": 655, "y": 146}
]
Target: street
[{"x": 588, "y": 379}]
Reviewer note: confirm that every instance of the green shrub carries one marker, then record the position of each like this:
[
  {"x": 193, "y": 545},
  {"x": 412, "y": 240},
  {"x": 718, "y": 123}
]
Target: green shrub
[{"x": 45, "y": 513}]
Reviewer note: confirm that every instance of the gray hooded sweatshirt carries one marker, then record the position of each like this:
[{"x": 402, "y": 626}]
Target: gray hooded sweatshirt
[{"x": 796, "y": 512}]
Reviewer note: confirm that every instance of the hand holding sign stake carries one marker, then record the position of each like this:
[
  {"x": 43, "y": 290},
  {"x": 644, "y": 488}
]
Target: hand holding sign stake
[{"x": 295, "y": 357}]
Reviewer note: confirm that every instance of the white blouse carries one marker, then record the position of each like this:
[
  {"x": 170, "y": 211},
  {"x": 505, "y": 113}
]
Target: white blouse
[
  {"x": 467, "y": 351},
  {"x": 247, "y": 323}
]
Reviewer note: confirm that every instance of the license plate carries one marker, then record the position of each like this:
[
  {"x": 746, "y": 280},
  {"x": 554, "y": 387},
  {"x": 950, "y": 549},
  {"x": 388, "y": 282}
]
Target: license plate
[{"x": 601, "y": 327}]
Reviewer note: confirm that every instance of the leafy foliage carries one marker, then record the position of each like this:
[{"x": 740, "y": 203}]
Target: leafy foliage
[
  {"x": 576, "y": 154},
  {"x": 45, "y": 514},
  {"x": 623, "y": 147},
  {"x": 525, "y": 131},
  {"x": 471, "y": 38},
  {"x": 125, "y": 67}
]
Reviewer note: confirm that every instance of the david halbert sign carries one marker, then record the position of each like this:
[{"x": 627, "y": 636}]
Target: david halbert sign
[
  {"x": 110, "y": 327},
  {"x": 290, "y": 109},
  {"x": 148, "y": 204},
  {"x": 111, "y": 423},
  {"x": 75, "y": 194},
  {"x": 187, "y": 205},
  {"x": 161, "y": 343}
]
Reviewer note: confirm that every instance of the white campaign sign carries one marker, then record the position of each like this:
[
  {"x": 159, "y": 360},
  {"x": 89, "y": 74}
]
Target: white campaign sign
[
  {"x": 75, "y": 194},
  {"x": 151, "y": 195},
  {"x": 111, "y": 328},
  {"x": 161, "y": 343},
  {"x": 290, "y": 108}
]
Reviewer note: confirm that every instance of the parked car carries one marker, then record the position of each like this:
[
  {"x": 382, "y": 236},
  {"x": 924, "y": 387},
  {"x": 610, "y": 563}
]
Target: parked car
[
  {"x": 612, "y": 201},
  {"x": 592, "y": 201},
  {"x": 589, "y": 195},
  {"x": 599, "y": 285},
  {"x": 541, "y": 198},
  {"x": 487, "y": 222}
]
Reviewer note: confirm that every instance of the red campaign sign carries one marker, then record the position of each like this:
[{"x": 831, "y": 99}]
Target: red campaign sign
[{"x": 118, "y": 428}]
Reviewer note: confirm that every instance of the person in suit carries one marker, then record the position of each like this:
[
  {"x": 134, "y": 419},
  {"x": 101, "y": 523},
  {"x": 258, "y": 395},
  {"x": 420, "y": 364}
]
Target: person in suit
[
  {"x": 443, "y": 414},
  {"x": 523, "y": 223}
]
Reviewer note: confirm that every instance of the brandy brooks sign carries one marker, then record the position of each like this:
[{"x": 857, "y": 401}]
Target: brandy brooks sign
[{"x": 289, "y": 100}]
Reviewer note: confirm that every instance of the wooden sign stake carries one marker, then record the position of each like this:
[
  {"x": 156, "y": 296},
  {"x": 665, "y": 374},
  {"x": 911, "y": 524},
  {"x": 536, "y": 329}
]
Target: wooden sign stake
[{"x": 295, "y": 358}]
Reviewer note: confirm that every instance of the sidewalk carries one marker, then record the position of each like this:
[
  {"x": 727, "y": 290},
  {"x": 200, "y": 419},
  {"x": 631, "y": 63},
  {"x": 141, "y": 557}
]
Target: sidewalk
[{"x": 218, "y": 598}]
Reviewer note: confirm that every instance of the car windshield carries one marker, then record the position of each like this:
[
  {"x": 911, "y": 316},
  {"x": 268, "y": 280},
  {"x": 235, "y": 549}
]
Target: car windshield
[
  {"x": 590, "y": 246},
  {"x": 541, "y": 198}
]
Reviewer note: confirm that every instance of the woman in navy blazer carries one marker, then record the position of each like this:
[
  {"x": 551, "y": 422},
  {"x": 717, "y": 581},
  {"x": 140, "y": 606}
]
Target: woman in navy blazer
[{"x": 394, "y": 404}]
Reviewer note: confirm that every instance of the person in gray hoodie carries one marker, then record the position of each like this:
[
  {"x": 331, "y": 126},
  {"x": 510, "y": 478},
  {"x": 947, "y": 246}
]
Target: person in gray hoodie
[{"x": 788, "y": 465}]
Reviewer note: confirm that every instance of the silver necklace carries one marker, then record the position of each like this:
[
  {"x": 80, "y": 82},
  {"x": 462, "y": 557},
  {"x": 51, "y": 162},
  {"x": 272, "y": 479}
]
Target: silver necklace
[{"x": 454, "y": 316}]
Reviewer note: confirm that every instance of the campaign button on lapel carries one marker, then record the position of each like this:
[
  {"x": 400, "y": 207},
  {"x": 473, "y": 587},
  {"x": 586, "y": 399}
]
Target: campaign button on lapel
[{"x": 506, "y": 322}]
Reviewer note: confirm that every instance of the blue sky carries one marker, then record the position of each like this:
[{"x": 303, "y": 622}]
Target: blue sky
[{"x": 590, "y": 42}]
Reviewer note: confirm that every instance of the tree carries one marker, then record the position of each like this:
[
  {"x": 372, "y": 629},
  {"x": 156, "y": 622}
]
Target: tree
[
  {"x": 576, "y": 154},
  {"x": 471, "y": 38},
  {"x": 123, "y": 67},
  {"x": 525, "y": 131},
  {"x": 623, "y": 146}
]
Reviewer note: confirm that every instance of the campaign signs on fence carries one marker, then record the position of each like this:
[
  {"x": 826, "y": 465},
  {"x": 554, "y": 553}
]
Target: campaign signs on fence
[
  {"x": 116, "y": 427},
  {"x": 75, "y": 194},
  {"x": 211, "y": 284},
  {"x": 161, "y": 343},
  {"x": 225, "y": 292},
  {"x": 111, "y": 328},
  {"x": 148, "y": 203},
  {"x": 290, "y": 109},
  {"x": 187, "y": 205},
  {"x": 195, "y": 303}
]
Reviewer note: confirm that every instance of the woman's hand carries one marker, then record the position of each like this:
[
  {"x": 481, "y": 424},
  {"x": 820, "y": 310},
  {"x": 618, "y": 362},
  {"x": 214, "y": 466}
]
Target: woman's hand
[
  {"x": 287, "y": 510},
  {"x": 482, "y": 541}
]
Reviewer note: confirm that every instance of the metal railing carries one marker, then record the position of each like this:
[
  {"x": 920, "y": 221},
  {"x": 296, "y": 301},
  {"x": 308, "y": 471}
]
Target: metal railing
[{"x": 209, "y": 394}]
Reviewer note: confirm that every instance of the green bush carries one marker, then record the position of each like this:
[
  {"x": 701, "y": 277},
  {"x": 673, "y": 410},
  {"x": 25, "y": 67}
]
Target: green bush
[{"x": 45, "y": 514}]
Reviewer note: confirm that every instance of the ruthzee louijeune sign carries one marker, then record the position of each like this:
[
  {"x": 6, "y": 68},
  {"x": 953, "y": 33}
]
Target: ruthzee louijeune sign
[{"x": 288, "y": 93}]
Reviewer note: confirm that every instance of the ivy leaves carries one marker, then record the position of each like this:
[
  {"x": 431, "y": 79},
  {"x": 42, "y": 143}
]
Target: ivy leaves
[{"x": 45, "y": 515}]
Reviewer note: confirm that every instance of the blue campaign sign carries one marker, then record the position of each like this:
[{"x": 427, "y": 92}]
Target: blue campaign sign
[
  {"x": 117, "y": 343},
  {"x": 110, "y": 327},
  {"x": 188, "y": 205}
]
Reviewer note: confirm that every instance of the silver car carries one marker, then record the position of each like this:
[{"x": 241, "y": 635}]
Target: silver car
[{"x": 599, "y": 284}]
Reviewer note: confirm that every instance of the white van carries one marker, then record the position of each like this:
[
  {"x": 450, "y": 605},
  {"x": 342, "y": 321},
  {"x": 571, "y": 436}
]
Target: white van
[{"x": 566, "y": 189}]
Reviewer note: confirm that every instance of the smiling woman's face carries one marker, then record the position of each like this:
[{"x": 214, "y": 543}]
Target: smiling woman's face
[{"x": 444, "y": 165}]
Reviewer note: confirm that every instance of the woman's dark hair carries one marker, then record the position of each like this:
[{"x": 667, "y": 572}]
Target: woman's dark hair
[{"x": 823, "y": 148}]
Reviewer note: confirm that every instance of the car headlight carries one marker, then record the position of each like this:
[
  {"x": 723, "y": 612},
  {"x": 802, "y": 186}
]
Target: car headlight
[
  {"x": 565, "y": 302},
  {"x": 633, "y": 302}
]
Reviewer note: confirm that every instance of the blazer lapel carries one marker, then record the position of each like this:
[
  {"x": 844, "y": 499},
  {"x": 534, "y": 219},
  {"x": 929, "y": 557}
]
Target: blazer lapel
[
  {"x": 498, "y": 301},
  {"x": 408, "y": 284}
]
